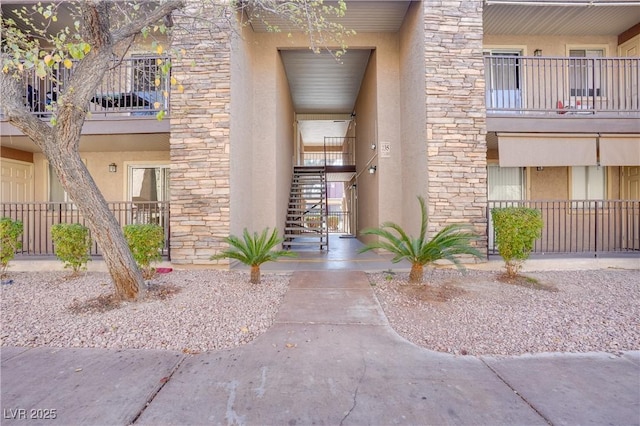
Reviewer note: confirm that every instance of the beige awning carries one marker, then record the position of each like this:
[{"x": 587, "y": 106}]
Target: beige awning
[
  {"x": 549, "y": 150},
  {"x": 620, "y": 150}
]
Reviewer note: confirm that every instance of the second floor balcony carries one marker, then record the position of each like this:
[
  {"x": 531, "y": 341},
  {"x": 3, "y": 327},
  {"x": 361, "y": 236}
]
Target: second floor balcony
[
  {"x": 131, "y": 90},
  {"x": 568, "y": 93}
]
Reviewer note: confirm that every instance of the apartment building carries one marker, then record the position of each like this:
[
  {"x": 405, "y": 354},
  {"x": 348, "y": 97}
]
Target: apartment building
[{"x": 472, "y": 104}]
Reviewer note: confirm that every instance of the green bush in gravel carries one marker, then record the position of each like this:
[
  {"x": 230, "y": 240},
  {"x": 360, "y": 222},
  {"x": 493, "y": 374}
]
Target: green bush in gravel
[
  {"x": 517, "y": 229},
  {"x": 145, "y": 242},
  {"x": 10, "y": 241},
  {"x": 72, "y": 245}
]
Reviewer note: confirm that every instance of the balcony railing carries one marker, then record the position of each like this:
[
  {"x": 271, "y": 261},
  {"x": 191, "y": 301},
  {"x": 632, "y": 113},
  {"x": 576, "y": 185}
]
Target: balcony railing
[
  {"x": 581, "y": 226},
  {"x": 564, "y": 86},
  {"x": 133, "y": 87},
  {"x": 37, "y": 219}
]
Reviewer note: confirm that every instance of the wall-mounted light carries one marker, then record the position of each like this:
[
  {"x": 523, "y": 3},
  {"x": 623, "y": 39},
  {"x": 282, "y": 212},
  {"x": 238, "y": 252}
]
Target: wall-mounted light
[
  {"x": 539, "y": 169},
  {"x": 537, "y": 52},
  {"x": 113, "y": 168},
  {"x": 373, "y": 146},
  {"x": 372, "y": 169}
]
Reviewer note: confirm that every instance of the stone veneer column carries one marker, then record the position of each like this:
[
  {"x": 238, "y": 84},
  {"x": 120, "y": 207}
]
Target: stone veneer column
[
  {"x": 199, "y": 143},
  {"x": 455, "y": 114}
]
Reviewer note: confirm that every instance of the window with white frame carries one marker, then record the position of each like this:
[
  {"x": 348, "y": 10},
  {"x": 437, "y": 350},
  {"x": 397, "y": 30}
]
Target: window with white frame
[
  {"x": 503, "y": 78},
  {"x": 585, "y": 73},
  {"x": 588, "y": 183},
  {"x": 57, "y": 194},
  {"x": 505, "y": 183},
  {"x": 148, "y": 183}
]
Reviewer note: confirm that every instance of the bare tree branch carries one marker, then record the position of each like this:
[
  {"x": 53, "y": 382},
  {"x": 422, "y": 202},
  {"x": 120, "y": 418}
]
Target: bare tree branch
[{"x": 151, "y": 18}]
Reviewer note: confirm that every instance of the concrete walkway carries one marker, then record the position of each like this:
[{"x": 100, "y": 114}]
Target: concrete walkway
[{"x": 331, "y": 358}]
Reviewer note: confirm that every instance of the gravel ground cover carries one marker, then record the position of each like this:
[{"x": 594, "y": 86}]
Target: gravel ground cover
[
  {"x": 198, "y": 310},
  {"x": 476, "y": 313},
  {"x": 190, "y": 311}
]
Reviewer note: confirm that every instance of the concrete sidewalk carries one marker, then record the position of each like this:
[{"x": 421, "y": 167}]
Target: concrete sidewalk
[{"x": 330, "y": 358}]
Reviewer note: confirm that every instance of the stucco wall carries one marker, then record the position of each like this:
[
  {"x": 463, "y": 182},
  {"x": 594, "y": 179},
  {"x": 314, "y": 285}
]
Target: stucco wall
[
  {"x": 366, "y": 134},
  {"x": 551, "y": 183},
  {"x": 412, "y": 109},
  {"x": 284, "y": 141},
  {"x": 112, "y": 185},
  {"x": 551, "y": 45},
  {"x": 273, "y": 135},
  {"x": 241, "y": 132}
]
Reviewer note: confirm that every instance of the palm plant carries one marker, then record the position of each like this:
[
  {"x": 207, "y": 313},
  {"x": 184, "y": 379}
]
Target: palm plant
[
  {"x": 253, "y": 250},
  {"x": 453, "y": 240}
]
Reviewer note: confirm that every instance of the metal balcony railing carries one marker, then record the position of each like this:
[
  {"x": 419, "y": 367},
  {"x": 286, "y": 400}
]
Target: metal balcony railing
[
  {"x": 562, "y": 85},
  {"x": 581, "y": 226},
  {"x": 38, "y": 217},
  {"x": 132, "y": 86}
]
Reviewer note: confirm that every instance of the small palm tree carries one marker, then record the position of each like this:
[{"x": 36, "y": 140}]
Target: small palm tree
[
  {"x": 253, "y": 250},
  {"x": 453, "y": 240}
]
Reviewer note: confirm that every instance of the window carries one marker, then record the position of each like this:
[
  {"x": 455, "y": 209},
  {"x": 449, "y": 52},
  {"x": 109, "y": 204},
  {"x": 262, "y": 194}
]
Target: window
[
  {"x": 505, "y": 183},
  {"x": 149, "y": 183},
  {"x": 503, "y": 78},
  {"x": 585, "y": 74},
  {"x": 148, "y": 186},
  {"x": 588, "y": 183},
  {"x": 57, "y": 194}
]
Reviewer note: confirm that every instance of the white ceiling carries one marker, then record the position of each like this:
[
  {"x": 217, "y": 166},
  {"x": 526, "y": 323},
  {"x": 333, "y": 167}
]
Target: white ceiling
[
  {"x": 322, "y": 84},
  {"x": 507, "y": 17}
]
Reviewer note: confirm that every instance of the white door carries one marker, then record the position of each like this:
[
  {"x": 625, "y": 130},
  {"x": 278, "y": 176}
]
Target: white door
[
  {"x": 631, "y": 191},
  {"x": 17, "y": 181},
  {"x": 629, "y": 74}
]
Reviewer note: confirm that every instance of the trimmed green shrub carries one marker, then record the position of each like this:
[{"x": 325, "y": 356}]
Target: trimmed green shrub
[
  {"x": 72, "y": 245},
  {"x": 517, "y": 229},
  {"x": 145, "y": 242},
  {"x": 10, "y": 241},
  {"x": 253, "y": 250}
]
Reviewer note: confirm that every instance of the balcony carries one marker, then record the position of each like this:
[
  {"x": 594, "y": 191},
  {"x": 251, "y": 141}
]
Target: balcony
[
  {"x": 527, "y": 94},
  {"x": 132, "y": 89}
]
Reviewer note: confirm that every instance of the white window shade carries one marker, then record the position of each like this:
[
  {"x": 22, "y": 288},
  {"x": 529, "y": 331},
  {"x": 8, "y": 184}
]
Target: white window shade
[
  {"x": 504, "y": 183},
  {"x": 548, "y": 150},
  {"x": 587, "y": 183},
  {"x": 620, "y": 150}
]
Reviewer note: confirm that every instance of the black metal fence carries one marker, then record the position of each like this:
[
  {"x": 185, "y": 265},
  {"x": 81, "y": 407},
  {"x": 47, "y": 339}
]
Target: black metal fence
[
  {"x": 581, "y": 226},
  {"x": 38, "y": 217},
  {"x": 338, "y": 222},
  {"x": 134, "y": 86},
  {"x": 562, "y": 85}
]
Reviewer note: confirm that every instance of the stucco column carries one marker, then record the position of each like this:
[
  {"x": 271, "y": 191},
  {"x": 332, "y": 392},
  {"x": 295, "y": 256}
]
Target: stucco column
[
  {"x": 199, "y": 142},
  {"x": 455, "y": 114}
]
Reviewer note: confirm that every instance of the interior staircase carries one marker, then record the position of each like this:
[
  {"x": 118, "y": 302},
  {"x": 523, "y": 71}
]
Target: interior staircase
[{"x": 306, "y": 225}]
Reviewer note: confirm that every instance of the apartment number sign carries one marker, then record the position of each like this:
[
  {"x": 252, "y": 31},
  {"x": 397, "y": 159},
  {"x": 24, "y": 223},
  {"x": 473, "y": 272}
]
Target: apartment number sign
[{"x": 385, "y": 149}]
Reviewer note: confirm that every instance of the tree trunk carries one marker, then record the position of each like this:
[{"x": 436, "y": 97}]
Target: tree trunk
[
  {"x": 60, "y": 144},
  {"x": 255, "y": 274},
  {"x": 415, "y": 276},
  {"x": 105, "y": 229}
]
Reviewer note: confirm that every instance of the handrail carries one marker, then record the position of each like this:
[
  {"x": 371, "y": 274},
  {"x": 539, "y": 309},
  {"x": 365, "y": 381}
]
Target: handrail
[
  {"x": 580, "y": 226},
  {"x": 132, "y": 86},
  {"x": 562, "y": 86}
]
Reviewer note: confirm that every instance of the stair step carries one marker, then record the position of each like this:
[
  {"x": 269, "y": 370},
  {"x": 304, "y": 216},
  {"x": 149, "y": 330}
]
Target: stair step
[{"x": 304, "y": 243}]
